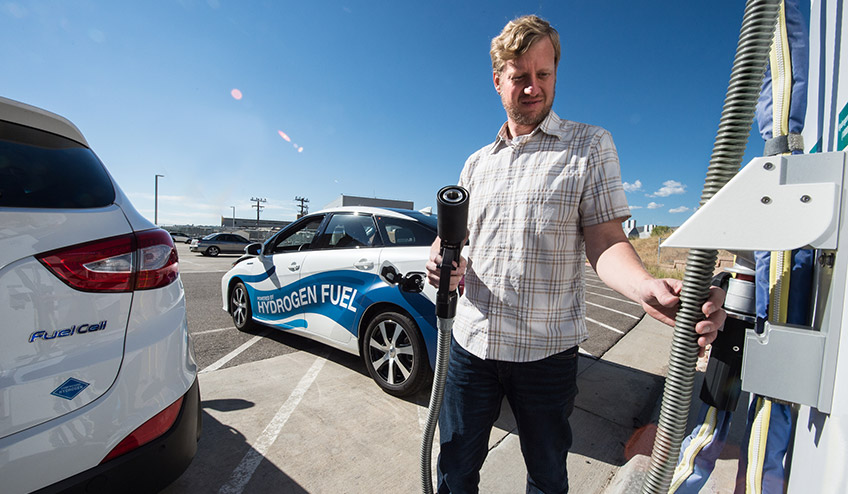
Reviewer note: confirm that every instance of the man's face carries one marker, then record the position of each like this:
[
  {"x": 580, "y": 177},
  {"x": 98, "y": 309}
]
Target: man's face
[{"x": 527, "y": 86}]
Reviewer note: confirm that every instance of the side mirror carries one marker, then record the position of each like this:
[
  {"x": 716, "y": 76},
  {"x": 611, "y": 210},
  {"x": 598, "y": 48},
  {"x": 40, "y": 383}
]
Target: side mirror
[{"x": 253, "y": 249}]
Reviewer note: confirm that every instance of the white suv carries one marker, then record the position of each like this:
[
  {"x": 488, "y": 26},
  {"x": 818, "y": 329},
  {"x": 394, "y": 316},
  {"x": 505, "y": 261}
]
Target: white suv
[{"x": 98, "y": 383}]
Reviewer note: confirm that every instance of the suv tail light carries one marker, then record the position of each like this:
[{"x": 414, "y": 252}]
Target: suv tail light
[
  {"x": 148, "y": 431},
  {"x": 136, "y": 261}
]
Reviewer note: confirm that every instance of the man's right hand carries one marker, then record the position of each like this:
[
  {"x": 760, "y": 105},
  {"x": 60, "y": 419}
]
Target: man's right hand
[{"x": 433, "y": 273}]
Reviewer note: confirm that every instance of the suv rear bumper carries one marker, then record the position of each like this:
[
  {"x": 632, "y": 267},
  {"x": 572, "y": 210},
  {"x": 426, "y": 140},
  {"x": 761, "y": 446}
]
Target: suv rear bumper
[{"x": 149, "y": 468}]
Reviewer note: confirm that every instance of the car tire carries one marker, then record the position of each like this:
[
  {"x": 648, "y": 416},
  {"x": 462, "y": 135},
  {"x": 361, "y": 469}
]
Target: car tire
[
  {"x": 213, "y": 251},
  {"x": 395, "y": 355},
  {"x": 240, "y": 308}
]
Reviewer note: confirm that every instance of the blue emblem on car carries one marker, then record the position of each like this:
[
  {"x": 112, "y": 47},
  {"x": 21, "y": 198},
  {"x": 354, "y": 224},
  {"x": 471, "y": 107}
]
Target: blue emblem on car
[{"x": 70, "y": 389}]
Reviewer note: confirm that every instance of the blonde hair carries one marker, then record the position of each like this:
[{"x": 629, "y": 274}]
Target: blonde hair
[{"x": 518, "y": 36}]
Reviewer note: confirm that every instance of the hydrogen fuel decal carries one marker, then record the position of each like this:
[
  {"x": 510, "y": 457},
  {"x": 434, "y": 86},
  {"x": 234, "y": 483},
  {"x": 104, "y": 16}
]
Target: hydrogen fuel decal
[
  {"x": 324, "y": 294},
  {"x": 341, "y": 296}
]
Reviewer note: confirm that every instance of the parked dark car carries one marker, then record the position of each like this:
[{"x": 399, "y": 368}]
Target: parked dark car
[{"x": 217, "y": 243}]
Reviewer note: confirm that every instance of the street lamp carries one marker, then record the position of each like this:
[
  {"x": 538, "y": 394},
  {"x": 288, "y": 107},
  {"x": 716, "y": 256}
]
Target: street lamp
[
  {"x": 156, "y": 201},
  {"x": 234, "y": 216}
]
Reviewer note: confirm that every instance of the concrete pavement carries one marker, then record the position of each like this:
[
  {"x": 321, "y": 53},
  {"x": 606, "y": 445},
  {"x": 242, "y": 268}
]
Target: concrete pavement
[
  {"x": 651, "y": 344},
  {"x": 289, "y": 424}
]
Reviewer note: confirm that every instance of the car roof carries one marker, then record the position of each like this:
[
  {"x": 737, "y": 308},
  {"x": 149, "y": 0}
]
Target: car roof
[
  {"x": 392, "y": 212},
  {"x": 31, "y": 116}
]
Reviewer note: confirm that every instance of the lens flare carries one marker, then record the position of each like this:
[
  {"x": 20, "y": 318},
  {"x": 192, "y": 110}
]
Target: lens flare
[
  {"x": 236, "y": 94},
  {"x": 284, "y": 136}
]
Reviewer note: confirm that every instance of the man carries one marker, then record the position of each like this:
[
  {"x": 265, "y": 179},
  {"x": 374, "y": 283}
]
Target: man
[{"x": 544, "y": 190}]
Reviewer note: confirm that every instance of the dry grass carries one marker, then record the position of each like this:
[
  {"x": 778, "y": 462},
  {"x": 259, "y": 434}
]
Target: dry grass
[{"x": 667, "y": 262}]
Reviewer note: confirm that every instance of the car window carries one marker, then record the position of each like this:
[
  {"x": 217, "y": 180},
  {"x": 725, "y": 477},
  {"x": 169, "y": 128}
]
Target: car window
[
  {"x": 348, "y": 231},
  {"x": 240, "y": 239},
  {"x": 399, "y": 232},
  {"x": 210, "y": 236},
  {"x": 43, "y": 170},
  {"x": 296, "y": 238}
]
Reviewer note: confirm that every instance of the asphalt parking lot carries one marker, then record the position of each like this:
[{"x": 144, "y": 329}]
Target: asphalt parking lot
[{"x": 284, "y": 414}]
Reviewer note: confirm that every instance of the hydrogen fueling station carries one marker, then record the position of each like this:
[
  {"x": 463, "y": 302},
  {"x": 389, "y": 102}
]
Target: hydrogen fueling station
[{"x": 783, "y": 341}]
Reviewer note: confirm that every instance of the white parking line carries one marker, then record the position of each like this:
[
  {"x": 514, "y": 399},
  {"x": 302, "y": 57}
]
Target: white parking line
[
  {"x": 242, "y": 474},
  {"x": 601, "y": 286},
  {"x": 605, "y": 326},
  {"x": 198, "y": 333},
  {"x": 613, "y": 310},
  {"x": 624, "y": 300},
  {"x": 235, "y": 353}
]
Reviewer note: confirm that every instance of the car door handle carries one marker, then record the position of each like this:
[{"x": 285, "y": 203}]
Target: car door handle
[
  {"x": 294, "y": 266},
  {"x": 364, "y": 264}
]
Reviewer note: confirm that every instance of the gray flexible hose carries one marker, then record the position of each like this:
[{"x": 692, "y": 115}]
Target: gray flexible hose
[
  {"x": 436, "y": 395},
  {"x": 746, "y": 77}
]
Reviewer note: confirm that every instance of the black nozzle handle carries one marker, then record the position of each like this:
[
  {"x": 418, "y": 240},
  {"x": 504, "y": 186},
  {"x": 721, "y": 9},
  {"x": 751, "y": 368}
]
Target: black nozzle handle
[
  {"x": 453, "y": 214},
  {"x": 453, "y": 224}
]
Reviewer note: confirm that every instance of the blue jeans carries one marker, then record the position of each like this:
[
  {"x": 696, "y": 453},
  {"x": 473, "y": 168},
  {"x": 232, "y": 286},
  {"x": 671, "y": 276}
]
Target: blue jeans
[{"x": 541, "y": 395}]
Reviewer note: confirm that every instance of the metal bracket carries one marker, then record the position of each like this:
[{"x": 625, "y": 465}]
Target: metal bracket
[
  {"x": 784, "y": 203},
  {"x": 773, "y": 203}
]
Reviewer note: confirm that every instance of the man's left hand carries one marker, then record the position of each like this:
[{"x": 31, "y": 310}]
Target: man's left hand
[{"x": 660, "y": 299}]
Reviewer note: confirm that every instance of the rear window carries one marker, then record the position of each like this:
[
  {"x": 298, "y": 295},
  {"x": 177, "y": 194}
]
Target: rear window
[
  {"x": 405, "y": 233},
  {"x": 43, "y": 170}
]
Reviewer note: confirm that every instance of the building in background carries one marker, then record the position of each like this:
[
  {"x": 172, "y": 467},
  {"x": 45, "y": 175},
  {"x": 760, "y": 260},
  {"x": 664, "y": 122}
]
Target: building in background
[
  {"x": 633, "y": 231},
  {"x": 247, "y": 223},
  {"x": 344, "y": 200}
]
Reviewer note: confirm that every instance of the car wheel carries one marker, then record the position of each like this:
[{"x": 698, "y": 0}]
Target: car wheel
[
  {"x": 395, "y": 355},
  {"x": 213, "y": 251},
  {"x": 240, "y": 307}
]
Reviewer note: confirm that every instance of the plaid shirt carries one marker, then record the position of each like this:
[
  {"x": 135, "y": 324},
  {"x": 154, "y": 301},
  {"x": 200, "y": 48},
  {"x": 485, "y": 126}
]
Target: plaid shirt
[{"x": 530, "y": 198}]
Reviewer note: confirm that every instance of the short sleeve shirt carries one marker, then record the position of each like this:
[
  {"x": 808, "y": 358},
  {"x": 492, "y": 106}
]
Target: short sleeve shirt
[{"x": 530, "y": 198}]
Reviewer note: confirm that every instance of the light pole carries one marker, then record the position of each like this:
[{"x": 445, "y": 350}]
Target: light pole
[
  {"x": 156, "y": 200},
  {"x": 234, "y": 216}
]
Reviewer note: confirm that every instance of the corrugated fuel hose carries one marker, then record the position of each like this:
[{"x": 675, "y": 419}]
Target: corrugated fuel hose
[
  {"x": 746, "y": 77},
  {"x": 452, "y": 203}
]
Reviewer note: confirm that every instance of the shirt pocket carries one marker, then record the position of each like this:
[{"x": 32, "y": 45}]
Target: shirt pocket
[{"x": 553, "y": 193}]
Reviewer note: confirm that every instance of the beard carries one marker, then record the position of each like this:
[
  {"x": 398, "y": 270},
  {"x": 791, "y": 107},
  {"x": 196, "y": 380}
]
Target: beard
[{"x": 532, "y": 119}]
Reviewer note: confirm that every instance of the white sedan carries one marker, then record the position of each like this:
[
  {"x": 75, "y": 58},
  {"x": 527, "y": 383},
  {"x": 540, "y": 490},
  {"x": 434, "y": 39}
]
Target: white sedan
[{"x": 352, "y": 278}]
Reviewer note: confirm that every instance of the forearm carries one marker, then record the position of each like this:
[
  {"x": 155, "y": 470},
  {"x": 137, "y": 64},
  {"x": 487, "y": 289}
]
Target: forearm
[{"x": 620, "y": 268}]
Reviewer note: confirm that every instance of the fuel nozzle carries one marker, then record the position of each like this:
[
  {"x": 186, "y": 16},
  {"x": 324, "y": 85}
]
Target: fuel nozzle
[
  {"x": 723, "y": 379},
  {"x": 453, "y": 223}
]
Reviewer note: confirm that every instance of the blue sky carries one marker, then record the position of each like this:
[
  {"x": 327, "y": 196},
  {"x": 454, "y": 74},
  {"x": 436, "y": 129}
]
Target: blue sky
[{"x": 377, "y": 99}]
